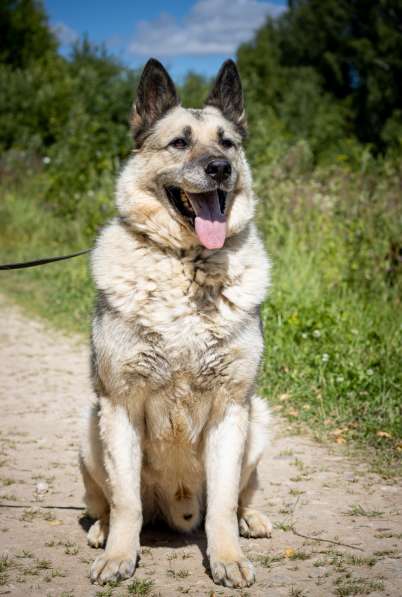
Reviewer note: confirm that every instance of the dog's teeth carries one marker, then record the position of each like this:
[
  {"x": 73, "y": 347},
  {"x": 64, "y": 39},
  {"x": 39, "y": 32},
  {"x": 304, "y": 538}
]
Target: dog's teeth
[{"x": 184, "y": 198}]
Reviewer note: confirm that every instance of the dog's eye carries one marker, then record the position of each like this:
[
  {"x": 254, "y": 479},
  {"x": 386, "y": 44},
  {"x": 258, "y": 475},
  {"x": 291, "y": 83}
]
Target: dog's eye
[
  {"x": 227, "y": 143},
  {"x": 179, "y": 143}
]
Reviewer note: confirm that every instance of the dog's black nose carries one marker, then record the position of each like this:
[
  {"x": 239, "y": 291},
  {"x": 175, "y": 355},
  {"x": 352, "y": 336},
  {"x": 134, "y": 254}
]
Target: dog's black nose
[{"x": 219, "y": 170}]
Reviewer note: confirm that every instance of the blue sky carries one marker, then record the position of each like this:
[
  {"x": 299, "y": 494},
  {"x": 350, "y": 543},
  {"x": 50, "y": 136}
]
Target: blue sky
[{"x": 184, "y": 34}]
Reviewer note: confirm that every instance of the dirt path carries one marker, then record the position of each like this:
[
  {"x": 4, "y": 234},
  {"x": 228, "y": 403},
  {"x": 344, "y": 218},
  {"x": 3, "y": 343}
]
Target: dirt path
[{"x": 306, "y": 487}]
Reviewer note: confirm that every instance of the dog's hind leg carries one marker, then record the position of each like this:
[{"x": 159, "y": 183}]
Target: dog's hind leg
[
  {"x": 97, "y": 508},
  {"x": 253, "y": 523},
  {"x": 94, "y": 479}
]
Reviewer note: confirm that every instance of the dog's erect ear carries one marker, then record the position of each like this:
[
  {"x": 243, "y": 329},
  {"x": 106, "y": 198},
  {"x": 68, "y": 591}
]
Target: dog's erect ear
[
  {"x": 156, "y": 94},
  {"x": 227, "y": 95}
]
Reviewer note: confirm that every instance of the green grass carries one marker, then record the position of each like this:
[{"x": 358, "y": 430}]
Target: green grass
[
  {"x": 59, "y": 292},
  {"x": 357, "y": 586},
  {"x": 268, "y": 561},
  {"x": 5, "y": 565},
  {"x": 358, "y": 510},
  {"x": 140, "y": 587},
  {"x": 333, "y": 322}
]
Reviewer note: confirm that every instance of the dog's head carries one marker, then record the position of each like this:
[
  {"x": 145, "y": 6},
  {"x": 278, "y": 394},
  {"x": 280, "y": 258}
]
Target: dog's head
[{"x": 188, "y": 183}]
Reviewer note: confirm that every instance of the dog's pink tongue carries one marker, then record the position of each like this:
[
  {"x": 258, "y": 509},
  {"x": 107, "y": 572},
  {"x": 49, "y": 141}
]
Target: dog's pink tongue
[{"x": 210, "y": 223}]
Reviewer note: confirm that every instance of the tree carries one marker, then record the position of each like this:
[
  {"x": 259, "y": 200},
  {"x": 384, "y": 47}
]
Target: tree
[
  {"x": 25, "y": 36},
  {"x": 194, "y": 90},
  {"x": 354, "y": 47}
]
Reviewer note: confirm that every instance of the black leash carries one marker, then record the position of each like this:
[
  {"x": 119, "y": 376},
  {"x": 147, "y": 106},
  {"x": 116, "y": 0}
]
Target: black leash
[{"x": 36, "y": 262}]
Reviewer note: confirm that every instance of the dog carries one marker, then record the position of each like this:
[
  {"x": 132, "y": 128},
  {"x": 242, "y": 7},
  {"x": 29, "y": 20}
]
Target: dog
[{"x": 176, "y": 431}]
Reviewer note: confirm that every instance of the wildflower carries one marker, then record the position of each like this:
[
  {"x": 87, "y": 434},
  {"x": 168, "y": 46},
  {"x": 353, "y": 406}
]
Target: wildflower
[
  {"x": 325, "y": 357},
  {"x": 370, "y": 372},
  {"x": 317, "y": 334},
  {"x": 46, "y": 160}
]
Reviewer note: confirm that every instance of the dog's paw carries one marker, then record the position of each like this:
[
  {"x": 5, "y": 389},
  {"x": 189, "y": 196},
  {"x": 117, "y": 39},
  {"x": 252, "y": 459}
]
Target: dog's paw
[
  {"x": 108, "y": 569},
  {"x": 97, "y": 534},
  {"x": 255, "y": 524},
  {"x": 236, "y": 574}
]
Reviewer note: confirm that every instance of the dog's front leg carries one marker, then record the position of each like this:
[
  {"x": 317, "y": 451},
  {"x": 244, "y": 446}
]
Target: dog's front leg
[
  {"x": 122, "y": 458},
  {"x": 225, "y": 444}
]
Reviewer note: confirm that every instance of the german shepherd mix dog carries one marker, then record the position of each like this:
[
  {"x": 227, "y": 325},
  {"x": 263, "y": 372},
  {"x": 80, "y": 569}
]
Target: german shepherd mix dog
[{"x": 177, "y": 430}]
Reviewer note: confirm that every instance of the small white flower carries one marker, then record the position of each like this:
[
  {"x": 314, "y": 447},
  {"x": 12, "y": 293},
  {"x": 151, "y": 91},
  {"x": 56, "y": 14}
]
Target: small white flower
[
  {"x": 304, "y": 336},
  {"x": 46, "y": 160},
  {"x": 325, "y": 357},
  {"x": 340, "y": 379},
  {"x": 317, "y": 334},
  {"x": 370, "y": 372}
]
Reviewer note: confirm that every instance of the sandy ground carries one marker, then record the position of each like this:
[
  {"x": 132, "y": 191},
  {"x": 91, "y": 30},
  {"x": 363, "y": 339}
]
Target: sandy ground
[{"x": 351, "y": 518}]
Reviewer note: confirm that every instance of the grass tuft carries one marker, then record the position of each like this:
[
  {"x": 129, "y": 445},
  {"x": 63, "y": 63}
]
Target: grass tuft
[
  {"x": 357, "y": 586},
  {"x": 140, "y": 587},
  {"x": 358, "y": 510}
]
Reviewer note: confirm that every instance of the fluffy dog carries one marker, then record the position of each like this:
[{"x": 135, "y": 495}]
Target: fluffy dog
[{"x": 177, "y": 430}]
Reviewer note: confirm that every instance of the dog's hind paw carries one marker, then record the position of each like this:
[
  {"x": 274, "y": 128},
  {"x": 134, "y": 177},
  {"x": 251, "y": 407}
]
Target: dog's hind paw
[
  {"x": 254, "y": 524},
  {"x": 97, "y": 534},
  {"x": 106, "y": 569}
]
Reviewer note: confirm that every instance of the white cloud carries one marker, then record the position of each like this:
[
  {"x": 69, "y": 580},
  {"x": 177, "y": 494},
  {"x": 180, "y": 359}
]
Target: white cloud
[
  {"x": 211, "y": 27},
  {"x": 65, "y": 34}
]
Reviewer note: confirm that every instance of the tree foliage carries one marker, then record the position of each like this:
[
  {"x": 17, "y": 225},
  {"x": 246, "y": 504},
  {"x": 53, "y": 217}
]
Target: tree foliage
[
  {"x": 194, "y": 90},
  {"x": 322, "y": 82},
  {"x": 341, "y": 61},
  {"x": 25, "y": 36}
]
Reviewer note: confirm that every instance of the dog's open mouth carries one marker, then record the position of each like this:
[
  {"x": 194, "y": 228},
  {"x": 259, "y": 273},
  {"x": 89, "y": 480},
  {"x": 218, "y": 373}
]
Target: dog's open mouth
[{"x": 205, "y": 212}]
